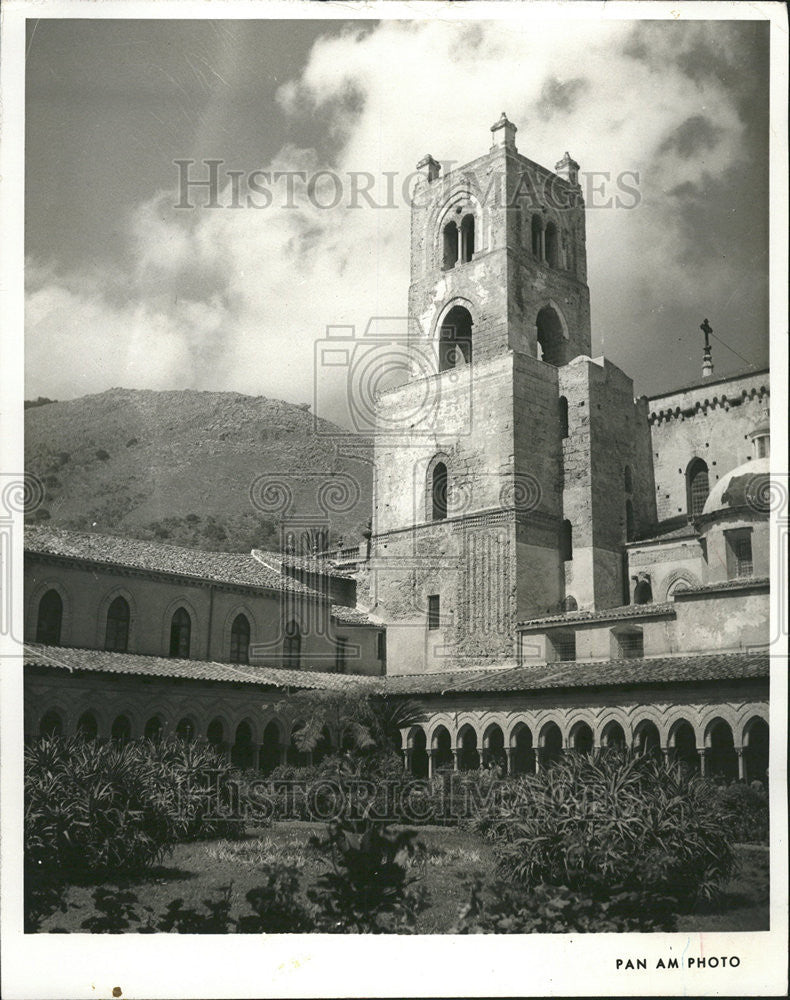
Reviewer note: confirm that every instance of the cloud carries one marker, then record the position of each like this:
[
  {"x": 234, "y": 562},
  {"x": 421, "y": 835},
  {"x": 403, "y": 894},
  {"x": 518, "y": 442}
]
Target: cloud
[{"x": 237, "y": 298}]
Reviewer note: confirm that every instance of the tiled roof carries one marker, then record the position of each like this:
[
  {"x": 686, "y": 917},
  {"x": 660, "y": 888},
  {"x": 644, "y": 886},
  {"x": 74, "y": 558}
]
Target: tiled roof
[
  {"x": 604, "y": 614},
  {"x": 196, "y": 670},
  {"x": 351, "y": 616},
  {"x": 605, "y": 673},
  {"x": 741, "y": 583},
  {"x": 236, "y": 568},
  {"x": 665, "y": 533},
  {"x": 544, "y": 677},
  {"x": 309, "y": 564}
]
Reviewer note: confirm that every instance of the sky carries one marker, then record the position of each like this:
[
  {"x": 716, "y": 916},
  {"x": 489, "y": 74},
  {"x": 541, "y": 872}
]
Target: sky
[{"x": 124, "y": 288}]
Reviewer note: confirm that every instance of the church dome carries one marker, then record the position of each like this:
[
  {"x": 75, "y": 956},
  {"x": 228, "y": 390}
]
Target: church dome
[{"x": 747, "y": 485}]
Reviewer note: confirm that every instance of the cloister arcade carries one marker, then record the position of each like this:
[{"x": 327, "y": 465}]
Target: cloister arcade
[{"x": 722, "y": 743}]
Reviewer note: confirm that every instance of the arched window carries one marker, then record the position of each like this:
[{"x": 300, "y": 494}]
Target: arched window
[
  {"x": 121, "y": 729},
  {"x": 643, "y": 592},
  {"x": 455, "y": 339},
  {"x": 467, "y": 238},
  {"x": 292, "y": 645},
  {"x": 552, "y": 245},
  {"x": 87, "y": 726},
  {"x": 185, "y": 730},
  {"x": 566, "y": 541},
  {"x": 450, "y": 246},
  {"x": 116, "y": 635},
  {"x": 439, "y": 492},
  {"x": 537, "y": 232},
  {"x": 628, "y": 481},
  {"x": 242, "y": 753},
  {"x": 563, "y": 417},
  {"x": 215, "y": 734},
  {"x": 697, "y": 487},
  {"x": 50, "y": 618},
  {"x": 180, "y": 631},
  {"x": 240, "y": 640},
  {"x": 551, "y": 339},
  {"x": 51, "y": 724},
  {"x": 629, "y": 521},
  {"x": 153, "y": 728}
]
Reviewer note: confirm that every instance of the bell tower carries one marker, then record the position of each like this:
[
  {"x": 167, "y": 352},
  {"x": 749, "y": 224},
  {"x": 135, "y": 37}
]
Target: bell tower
[{"x": 470, "y": 530}]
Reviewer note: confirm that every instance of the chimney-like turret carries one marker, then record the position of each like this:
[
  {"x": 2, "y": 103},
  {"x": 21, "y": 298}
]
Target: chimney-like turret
[
  {"x": 568, "y": 169},
  {"x": 504, "y": 133}
]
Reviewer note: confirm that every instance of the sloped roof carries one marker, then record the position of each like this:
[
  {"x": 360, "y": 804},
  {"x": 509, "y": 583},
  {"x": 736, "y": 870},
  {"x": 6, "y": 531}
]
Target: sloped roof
[
  {"x": 544, "y": 677},
  {"x": 102, "y": 661},
  {"x": 603, "y": 614},
  {"x": 602, "y": 673},
  {"x": 740, "y": 583},
  {"x": 236, "y": 568},
  {"x": 308, "y": 564},
  {"x": 351, "y": 616}
]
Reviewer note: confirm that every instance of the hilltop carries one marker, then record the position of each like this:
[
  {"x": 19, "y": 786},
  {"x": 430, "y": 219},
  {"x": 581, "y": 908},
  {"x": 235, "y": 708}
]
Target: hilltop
[{"x": 179, "y": 466}]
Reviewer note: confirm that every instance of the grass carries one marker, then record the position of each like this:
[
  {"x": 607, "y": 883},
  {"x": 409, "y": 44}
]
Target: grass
[{"x": 455, "y": 857}]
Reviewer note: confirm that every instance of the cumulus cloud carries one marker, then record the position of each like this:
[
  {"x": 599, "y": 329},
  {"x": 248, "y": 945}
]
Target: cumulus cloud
[{"x": 237, "y": 298}]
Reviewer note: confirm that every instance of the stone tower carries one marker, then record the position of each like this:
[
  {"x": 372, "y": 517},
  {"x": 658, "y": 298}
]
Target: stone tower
[{"x": 485, "y": 493}]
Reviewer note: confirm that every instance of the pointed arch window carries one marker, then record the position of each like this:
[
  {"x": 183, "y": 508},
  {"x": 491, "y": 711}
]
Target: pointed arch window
[
  {"x": 537, "y": 236},
  {"x": 116, "y": 633},
  {"x": 240, "y": 640},
  {"x": 439, "y": 492},
  {"x": 552, "y": 245},
  {"x": 467, "y": 238},
  {"x": 449, "y": 246},
  {"x": 50, "y": 618},
  {"x": 180, "y": 634}
]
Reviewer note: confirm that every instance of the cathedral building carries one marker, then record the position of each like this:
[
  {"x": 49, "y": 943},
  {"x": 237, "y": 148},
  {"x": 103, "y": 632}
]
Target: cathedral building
[{"x": 552, "y": 565}]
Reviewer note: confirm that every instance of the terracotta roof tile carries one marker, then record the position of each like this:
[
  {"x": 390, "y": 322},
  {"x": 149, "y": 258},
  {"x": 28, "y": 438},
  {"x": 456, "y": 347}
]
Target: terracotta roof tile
[
  {"x": 550, "y": 676},
  {"x": 101, "y": 661},
  {"x": 236, "y": 568},
  {"x": 603, "y": 614},
  {"x": 741, "y": 583}
]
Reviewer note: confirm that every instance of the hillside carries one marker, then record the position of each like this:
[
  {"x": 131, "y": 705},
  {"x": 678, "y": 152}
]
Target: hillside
[{"x": 180, "y": 465}]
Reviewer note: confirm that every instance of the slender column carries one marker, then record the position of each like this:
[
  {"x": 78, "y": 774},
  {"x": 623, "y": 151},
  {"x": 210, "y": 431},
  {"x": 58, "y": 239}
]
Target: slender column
[
  {"x": 543, "y": 244},
  {"x": 407, "y": 761},
  {"x": 538, "y": 762},
  {"x": 430, "y": 763},
  {"x": 741, "y": 763},
  {"x": 702, "y": 753},
  {"x": 460, "y": 258},
  {"x": 455, "y": 758},
  {"x": 665, "y": 755},
  {"x": 508, "y": 760}
]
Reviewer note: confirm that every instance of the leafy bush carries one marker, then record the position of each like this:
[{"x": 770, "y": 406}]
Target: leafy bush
[
  {"x": 615, "y": 819},
  {"x": 746, "y": 814},
  {"x": 549, "y": 909},
  {"x": 96, "y": 807},
  {"x": 369, "y": 887}
]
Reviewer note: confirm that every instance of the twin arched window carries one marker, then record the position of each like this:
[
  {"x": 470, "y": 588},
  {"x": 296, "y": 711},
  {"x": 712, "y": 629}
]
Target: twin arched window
[
  {"x": 180, "y": 634},
  {"x": 458, "y": 242}
]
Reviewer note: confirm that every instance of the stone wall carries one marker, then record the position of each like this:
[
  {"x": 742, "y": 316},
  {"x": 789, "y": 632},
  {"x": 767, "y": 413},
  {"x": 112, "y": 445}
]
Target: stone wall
[
  {"x": 153, "y": 599},
  {"x": 711, "y": 421}
]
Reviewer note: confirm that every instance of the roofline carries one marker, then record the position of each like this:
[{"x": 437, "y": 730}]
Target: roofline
[
  {"x": 664, "y": 610},
  {"x": 708, "y": 381},
  {"x": 201, "y": 581}
]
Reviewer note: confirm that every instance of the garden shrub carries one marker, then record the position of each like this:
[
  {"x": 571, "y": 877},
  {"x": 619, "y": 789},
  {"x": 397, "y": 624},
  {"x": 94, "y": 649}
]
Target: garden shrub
[
  {"x": 370, "y": 887},
  {"x": 93, "y": 807},
  {"x": 746, "y": 814},
  {"x": 551, "y": 909},
  {"x": 615, "y": 819}
]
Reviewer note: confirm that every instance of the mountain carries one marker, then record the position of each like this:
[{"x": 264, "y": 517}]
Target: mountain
[{"x": 205, "y": 469}]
